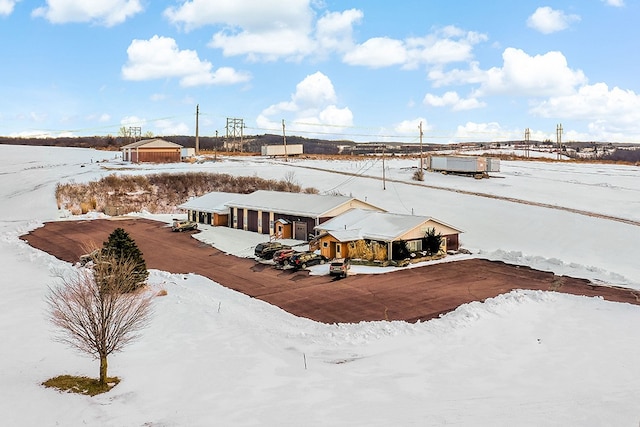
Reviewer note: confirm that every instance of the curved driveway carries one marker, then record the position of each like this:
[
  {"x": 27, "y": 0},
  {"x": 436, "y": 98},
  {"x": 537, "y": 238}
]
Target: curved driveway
[{"x": 410, "y": 294}]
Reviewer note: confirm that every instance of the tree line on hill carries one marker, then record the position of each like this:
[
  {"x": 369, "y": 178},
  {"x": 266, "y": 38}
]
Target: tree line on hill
[{"x": 253, "y": 143}]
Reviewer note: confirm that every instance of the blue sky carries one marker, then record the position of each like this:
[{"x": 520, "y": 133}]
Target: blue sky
[{"x": 364, "y": 70}]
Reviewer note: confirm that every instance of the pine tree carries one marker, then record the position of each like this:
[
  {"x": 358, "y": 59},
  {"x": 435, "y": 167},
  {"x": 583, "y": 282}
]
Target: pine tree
[
  {"x": 122, "y": 247},
  {"x": 432, "y": 241}
]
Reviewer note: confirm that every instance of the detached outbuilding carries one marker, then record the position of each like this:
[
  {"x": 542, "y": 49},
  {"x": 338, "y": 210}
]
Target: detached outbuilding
[
  {"x": 384, "y": 235},
  {"x": 152, "y": 151},
  {"x": 293, "y": 215}
]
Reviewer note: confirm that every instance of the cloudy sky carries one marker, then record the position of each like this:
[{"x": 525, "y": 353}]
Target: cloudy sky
[{"x": 356, "y": 69}]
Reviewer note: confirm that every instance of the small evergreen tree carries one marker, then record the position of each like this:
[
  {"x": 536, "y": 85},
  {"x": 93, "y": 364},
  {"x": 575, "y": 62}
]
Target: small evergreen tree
[
  {"x": 401, "y": 250},
  {"x": 432, "y": 241},
  {"x": 122, "y": 247}
]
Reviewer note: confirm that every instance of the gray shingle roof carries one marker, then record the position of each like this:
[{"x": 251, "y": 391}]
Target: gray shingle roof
[
  {"x": 306, "y": 205},
  {"x": 154, "y": 142},
  {"x": 363, "y": 224},
  {"x": 215, "y": 202}
]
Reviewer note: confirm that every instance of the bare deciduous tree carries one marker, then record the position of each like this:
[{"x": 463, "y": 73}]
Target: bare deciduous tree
[{"x": 94, "y": 311}]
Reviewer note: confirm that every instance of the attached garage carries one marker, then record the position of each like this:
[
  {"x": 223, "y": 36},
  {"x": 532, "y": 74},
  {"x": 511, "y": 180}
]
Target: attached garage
[
  {"x": 276, "y": 212},
  {"x": 210, "y": 209}
]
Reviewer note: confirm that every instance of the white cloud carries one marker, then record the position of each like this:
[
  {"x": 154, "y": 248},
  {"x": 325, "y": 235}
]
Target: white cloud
[
  {"x": 159, "y": 57},
  {"x": 102, "y": 12},
  {"x": 613, "y": 109},
  {"x": 273, "y": 29},
  {"x": 473, "y": 75},
  {"x": 6, "y": 7},
  {"x": 267, "y": 29},
  {"x": 311, "y": 109},
  {"x": 169, "y": 127},
  {"x": 313, "y": 91},
  {"x": 264, "y": 45},
  {"x": 485, "y": 132},
  {"x": 377, "y": 52},
  {"x": 520, "y": 74},
  {"x": 412, "y": 127},
  {"x": 450, "y": 44},
  {"x": 614, "y": 3},
  {"x": 539, "y": 75},
  {"x": 334, "y": 31},
  {"x": 453, "y": 100},
  {"x": 547, "y": 20}
]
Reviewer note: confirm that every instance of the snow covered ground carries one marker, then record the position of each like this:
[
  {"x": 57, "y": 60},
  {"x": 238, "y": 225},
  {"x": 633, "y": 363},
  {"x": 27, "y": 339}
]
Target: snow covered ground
[{"x": 215, "y": 357}]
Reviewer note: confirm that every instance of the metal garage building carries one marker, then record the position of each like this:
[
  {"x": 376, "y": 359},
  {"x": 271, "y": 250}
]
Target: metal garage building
[{"x": 151, "y": 150}]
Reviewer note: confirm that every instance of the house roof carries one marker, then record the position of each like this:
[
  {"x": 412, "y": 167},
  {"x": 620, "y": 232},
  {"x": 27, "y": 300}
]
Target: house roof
[
  {"x": 215, "y": 202},
  {"x": 152, "y": 143},
  {"x": 357, "y": 224},
  {"x": 298, "y": 204}
]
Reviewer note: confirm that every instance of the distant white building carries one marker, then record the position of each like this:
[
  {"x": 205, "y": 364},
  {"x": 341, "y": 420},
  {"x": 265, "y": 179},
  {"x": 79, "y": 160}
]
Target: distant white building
[{"x": 281, "y": 150}]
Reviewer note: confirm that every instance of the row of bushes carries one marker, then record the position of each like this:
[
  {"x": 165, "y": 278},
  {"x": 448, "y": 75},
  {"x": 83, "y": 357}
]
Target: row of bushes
[{"x": 160, "y": 193}]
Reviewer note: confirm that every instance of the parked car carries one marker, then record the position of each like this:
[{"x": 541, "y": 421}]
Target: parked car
[
  {"x": 339, "y": 267},
  {"x": 281, "y": 256},
  {"x": 306, "y": 259},
  {"x": 267, "y": 249},
  {"x": 183, "y": 225}
]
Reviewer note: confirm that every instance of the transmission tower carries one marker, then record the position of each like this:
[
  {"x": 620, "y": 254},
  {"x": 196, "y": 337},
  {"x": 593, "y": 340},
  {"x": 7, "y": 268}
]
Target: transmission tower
[
  {"x": 235, "y": 134},
  {"x": 135, "y": 133}
]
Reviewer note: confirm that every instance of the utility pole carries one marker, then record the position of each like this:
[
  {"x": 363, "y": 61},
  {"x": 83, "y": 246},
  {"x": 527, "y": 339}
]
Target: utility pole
[
  {"x": 421, "y": 162},
  {"x": 215, "y": 148},
  {"x": 527, "y": 137},
  {"x": 284, "y": 141},
  {"x": 559, "y": 138},
  {"x": 384, "y": 181},
  {"x": 197, "y": 135}
]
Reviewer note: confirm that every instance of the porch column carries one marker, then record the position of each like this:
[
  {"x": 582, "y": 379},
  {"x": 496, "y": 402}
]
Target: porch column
[{"x": 272, "y": 226}]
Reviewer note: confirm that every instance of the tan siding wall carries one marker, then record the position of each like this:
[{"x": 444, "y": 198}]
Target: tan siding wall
[{"x": 353, "y": 204}]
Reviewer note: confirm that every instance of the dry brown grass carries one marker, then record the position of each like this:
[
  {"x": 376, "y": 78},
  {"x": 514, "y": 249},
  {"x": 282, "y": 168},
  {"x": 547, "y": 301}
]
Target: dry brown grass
[
  {"x": 160, "y": 193},
  {"x": 369, "y": 251}
]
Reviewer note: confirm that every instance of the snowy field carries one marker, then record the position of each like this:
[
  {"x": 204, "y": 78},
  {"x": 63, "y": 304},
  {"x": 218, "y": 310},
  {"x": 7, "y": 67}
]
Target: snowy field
[{"x": 215, "y": 357}]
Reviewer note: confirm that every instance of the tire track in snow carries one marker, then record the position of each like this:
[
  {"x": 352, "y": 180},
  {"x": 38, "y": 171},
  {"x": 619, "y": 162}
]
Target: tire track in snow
[{"x": 486, "y": 195}]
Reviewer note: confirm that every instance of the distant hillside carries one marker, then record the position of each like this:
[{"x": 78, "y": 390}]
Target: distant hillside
[{"x": 253, "y": 143}]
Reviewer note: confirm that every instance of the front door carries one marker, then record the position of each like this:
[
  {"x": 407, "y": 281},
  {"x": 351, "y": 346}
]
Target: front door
[{"x": 300, "y": 231}]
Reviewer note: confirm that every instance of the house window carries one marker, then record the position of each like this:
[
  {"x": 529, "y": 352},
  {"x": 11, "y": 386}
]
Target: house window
[
  {"x": 325, "y": 244},
  {"x": 338, "y": 249},
  {"x": 414, "y": 245}
]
